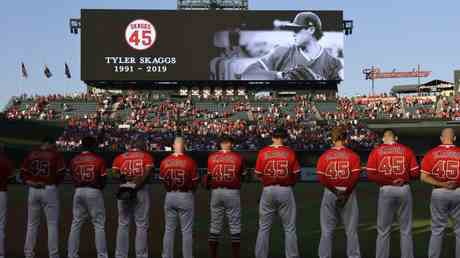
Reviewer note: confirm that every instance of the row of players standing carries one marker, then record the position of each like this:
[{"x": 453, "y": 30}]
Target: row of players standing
[{"x": 391, "y": 166}]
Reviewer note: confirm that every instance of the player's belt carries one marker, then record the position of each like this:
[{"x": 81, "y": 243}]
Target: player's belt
[
  {"x": 404, "y": 184},
  {"x": 180, "y": 191},
  {"x": 283, "y": 185},
  {"x": 89, "y": 186},
  {"x": 37, "y": 187},
  {"x": 228, "y": 188}
]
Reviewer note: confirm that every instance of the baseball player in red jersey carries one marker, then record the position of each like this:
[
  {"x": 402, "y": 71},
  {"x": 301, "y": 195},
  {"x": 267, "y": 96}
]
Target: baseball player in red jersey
[
  {"x": 338, "y": 171},
  {"x": 278, "y": 169},
  {"x": 441, "y": 169},
  {"x": 225, "y": 169},
  {"x": 6, "y": 170},
  {"x": 89, "y": 173},
  {"x": 392, "y": 165},
  {"x": 134, "y": 168},
  {"x": 43, "y": 170},
  {"x": 178, "y": 172}
]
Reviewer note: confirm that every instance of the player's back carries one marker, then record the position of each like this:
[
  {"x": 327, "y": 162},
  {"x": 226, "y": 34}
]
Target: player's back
[
  {"x": 443, "y": 163},
  {"x": 86, "y": 169},
  {"x": 394, "y": 161},
  {"x": 337, "y": 164},
  {"x": 178, "y": 172},
  {"x": 44, "y": 165},
  {"x": 133, "y": 163},
  {"x": 277, "y": 165},
  {"x": 226, "y": 168}
]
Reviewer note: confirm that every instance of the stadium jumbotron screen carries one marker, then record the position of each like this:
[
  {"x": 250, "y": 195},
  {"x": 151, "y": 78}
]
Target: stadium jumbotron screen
[{"x": 168, "y": 46}]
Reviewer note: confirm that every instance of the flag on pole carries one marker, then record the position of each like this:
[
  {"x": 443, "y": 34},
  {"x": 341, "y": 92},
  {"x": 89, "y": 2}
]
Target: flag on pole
[
  {"x": 67, "y": 71},
  {"x": 47, "y": 72},
  {"x": 24, "y": 71}
]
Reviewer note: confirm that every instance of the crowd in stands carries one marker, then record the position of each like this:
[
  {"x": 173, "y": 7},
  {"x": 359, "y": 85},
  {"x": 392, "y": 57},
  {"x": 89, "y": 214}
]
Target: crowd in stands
[{"x": 117, "y": 119}]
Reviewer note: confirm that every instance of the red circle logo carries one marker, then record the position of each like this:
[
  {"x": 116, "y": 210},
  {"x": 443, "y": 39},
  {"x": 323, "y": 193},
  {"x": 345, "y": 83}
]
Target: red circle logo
[{"x": 140, "y": 34}]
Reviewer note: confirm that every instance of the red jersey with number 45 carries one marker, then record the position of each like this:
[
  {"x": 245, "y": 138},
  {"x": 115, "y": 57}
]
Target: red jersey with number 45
[
  {"x": 133, "y": 163},
  {"x": 277, "y": 165},
  {"x": 87, "y": 170},
  {"x": 178, "y": 173},
  {"x": 443, "y": 163},
  {"x": 339, "y": 167},
  {"x": 43, "y": 166},
  {"x": 389, "y": 162},
  {"x": 226, "y": 169}
]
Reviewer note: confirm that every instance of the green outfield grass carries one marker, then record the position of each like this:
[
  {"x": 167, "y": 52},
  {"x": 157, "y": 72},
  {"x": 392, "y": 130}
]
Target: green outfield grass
[{"x": 308, "y": 197}]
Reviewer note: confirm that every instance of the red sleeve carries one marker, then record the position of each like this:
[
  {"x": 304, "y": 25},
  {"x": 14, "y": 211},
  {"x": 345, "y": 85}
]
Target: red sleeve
[
  {"x": 60, "y": 168},
  {"x": 103, "y": 168},
  {"x": 148, "y": 160},
  {"x": 117, "y": 163},
  {"x": 260, "y": 163},
  {"x": 355, "y": 172},
  {"x": 427, "y": 164},
  {"x": 321, "y": 165},
  {"x": 209, "y": 164},
  {"x": 60, "y": 163},
  {"x": 356, "y": 164},
  {"x": 371, "y": 166},
  {"x": 295, "y": 164},
  {"x": 193, "y": 171},
  {"x": 414, "y": 167},
  {"x": 162, "y": 170}
]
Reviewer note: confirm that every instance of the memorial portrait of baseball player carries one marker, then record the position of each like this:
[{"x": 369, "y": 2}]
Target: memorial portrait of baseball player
[
  {"x": 88, "y": 171},
  {"x": 306, "y": 59},
  {"x": 42, "y": 171},
  {"x": 278, "y": 169},
  {"x": 338, "y": 171},
  {"x": 134, "y": 168},
  {"x": 392, "y": 166},
  {"x": 178, "y": 173},
  {"x": 441, "y": 169},
  {"x": 225, "y": 169}
]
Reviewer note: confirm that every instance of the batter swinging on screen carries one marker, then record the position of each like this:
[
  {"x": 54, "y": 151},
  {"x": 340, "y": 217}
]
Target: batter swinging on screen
[
  {"x": 305, "y": 60},
  {"x": 278, "y": 169}
]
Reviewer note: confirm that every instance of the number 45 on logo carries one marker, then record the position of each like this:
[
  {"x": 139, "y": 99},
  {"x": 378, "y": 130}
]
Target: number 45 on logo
[{"x": 140, "y": 34}]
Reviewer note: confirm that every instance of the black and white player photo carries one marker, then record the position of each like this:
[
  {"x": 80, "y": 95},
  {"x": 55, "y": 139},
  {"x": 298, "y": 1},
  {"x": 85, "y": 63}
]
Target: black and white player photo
[{"x": 294, "y": 50}]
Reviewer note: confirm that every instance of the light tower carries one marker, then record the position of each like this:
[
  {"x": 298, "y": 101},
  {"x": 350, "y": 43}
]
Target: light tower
[{"x": 212, "y": 5}]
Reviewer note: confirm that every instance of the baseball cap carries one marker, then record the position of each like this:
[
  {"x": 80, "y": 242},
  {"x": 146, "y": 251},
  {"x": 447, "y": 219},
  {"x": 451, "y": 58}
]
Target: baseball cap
[{"x": 305, "y": 20}]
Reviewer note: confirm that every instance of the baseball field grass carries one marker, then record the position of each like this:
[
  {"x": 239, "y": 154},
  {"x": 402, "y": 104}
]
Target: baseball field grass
[{"x": 308, "y": 198}]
